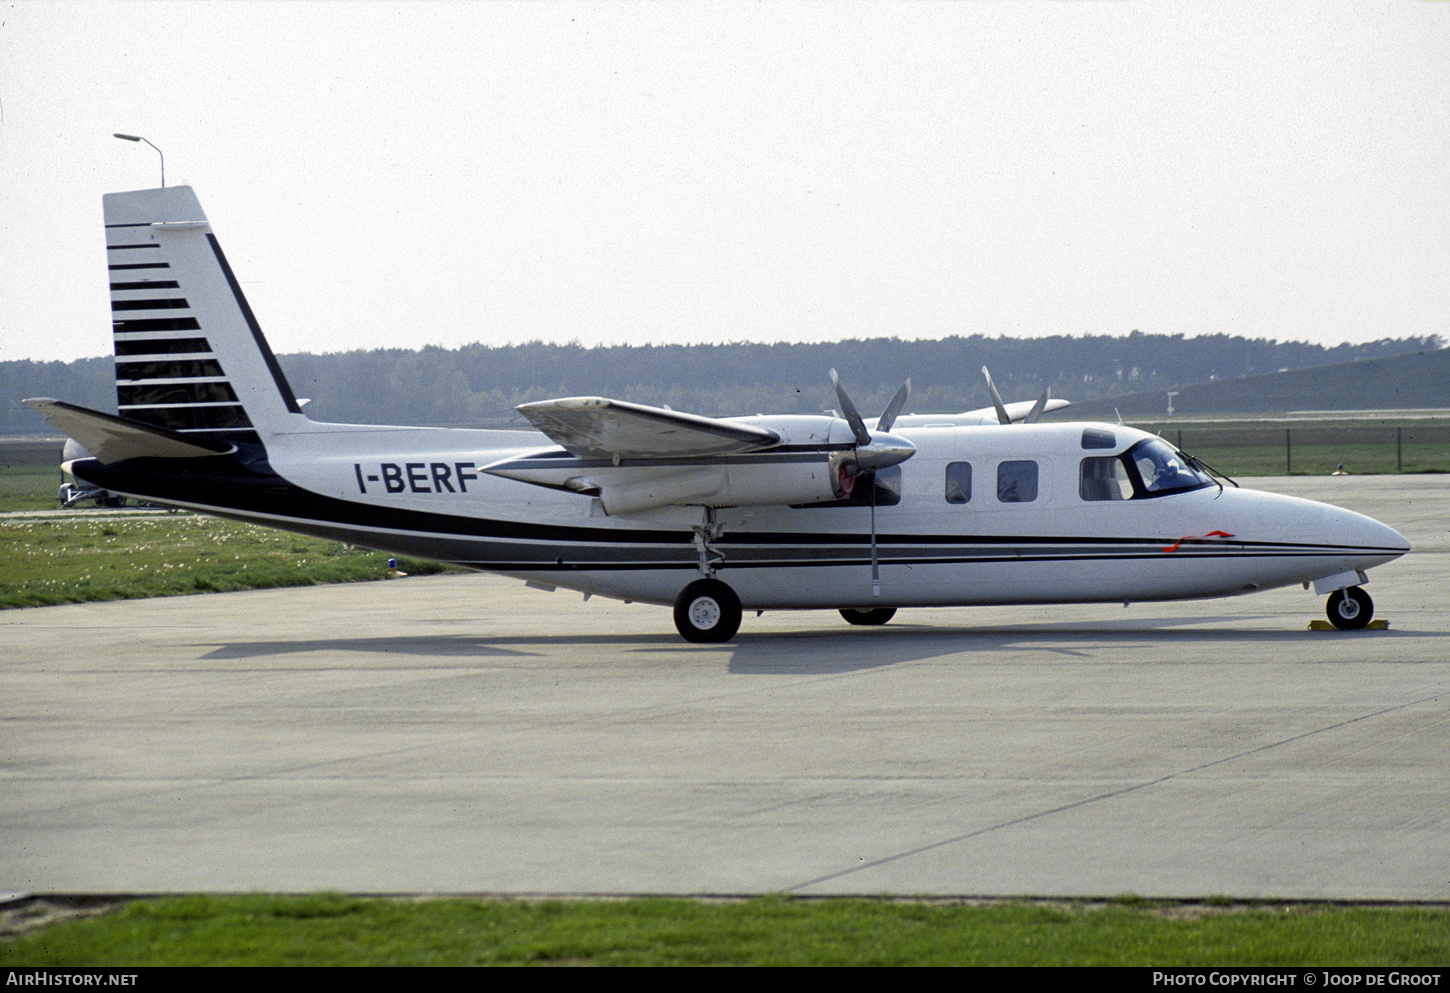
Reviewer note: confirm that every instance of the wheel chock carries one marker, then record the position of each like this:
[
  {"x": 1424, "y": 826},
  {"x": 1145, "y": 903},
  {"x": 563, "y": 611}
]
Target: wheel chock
[{"x": 1371, "y": 626}]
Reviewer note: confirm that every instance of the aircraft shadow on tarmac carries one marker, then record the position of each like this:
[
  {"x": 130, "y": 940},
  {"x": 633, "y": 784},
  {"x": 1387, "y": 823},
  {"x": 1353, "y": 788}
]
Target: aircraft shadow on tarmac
[
  {"x": 845, "y": 651},
  {"x": 812, "y": 651}
]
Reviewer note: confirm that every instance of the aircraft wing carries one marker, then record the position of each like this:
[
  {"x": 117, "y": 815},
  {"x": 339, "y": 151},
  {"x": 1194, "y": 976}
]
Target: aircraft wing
[
  {"x": 1015, "y": 411},
  {"x": 595, "y": 427},
  {"x": 111, "y": 438}
]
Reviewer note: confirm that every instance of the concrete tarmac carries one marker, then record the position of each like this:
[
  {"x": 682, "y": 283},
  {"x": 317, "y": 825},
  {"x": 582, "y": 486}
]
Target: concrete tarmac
[{"x": 471, "y": 735}]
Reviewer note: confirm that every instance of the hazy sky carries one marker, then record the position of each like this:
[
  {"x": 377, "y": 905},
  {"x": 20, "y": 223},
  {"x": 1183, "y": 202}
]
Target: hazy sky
[{"x": 403, "y": 174}]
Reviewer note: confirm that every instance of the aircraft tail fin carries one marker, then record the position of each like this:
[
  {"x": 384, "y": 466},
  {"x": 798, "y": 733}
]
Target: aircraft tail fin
[{"x": 190, "y": 357}]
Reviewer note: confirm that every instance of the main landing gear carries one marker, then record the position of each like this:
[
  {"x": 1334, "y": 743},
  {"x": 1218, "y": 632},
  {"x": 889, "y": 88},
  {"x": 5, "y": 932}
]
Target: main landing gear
[
  {"x": 707, "y": 611},
  {"x": 868, "y": 615},
  {"x": 1349, "y": 609}
]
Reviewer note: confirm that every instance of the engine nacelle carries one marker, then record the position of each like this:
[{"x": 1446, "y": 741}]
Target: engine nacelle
[{"x": 750, "y": 481}]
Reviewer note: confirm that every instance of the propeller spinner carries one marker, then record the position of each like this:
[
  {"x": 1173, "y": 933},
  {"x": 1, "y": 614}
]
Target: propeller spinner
[{"x": 877, "y": 450}]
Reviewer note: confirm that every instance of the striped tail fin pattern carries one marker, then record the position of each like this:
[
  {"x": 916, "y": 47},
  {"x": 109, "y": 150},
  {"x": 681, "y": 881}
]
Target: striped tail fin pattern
[{"x": 190, "y": 356}]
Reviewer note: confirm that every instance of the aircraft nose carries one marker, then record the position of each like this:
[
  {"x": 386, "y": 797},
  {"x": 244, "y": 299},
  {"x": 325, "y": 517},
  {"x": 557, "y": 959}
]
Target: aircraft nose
[
  {"x": 1393, "y": 539},
  {"x": 1350, "y": 528}
]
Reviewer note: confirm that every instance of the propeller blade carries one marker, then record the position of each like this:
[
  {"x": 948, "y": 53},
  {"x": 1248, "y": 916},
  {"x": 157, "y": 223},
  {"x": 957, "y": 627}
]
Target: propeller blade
[
  {"x": 1038, "y": 407},
  {"x": 996, "y": 399},
  {"x": 872, "y": 454},
  {"x": 849, "y": 411},
  {"x": 893, "y": 409}
]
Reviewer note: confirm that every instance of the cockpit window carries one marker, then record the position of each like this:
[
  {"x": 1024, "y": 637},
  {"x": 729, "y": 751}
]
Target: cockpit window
[
  {"x": 1098, "y": 438},
  {"x": 1150, "y": 469},
  {"x": 1163, "y": 469}
]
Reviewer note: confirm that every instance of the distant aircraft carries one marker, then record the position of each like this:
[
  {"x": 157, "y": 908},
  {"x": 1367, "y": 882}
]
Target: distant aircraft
[
  {"x": 714, "y": 516},
  {"x": 72, "y": 492}
]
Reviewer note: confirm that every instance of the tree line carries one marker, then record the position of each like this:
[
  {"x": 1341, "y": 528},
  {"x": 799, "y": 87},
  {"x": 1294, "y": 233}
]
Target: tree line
[{"x": 481, "y": 384}]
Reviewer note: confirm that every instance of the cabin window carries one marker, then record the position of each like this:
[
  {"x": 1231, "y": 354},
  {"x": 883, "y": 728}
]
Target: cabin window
[
  {"x": 1017, "y": 481},
  {"x": 959, "y": 482},
  {"x": 1098, "y": 438},
  {"x": 1105, "y": 478}
]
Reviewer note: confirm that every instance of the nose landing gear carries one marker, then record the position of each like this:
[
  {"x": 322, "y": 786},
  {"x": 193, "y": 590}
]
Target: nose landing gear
[{"x": 1349, "y": 609}]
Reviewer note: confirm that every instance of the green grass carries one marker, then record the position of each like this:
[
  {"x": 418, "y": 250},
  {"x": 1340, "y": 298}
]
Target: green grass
[
  {"x": 29, "y": 487},
  {"x": 73, "y": 560},
  {"x": 340, "y": 930}
]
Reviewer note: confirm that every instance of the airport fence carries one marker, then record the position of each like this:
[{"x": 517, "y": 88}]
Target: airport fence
[{"x": 1314, "y": 449}]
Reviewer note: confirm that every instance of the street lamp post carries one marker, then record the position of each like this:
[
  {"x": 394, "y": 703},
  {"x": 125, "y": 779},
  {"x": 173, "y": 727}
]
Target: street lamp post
[{"x": 136, "y": 137}]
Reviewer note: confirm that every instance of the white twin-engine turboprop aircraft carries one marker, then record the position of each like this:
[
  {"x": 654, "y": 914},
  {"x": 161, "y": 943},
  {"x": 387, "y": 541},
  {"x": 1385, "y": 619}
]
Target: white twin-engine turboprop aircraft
[{"x": 712, "y": 515}]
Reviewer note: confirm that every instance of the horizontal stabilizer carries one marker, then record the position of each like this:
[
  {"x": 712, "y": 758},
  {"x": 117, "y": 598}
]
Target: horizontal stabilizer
[
  {"x": 594, "y": 427},
  {"x": 110, "y": 438}
]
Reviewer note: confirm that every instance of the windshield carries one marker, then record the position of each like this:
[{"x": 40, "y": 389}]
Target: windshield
[{"x": 1163, "y": 469}]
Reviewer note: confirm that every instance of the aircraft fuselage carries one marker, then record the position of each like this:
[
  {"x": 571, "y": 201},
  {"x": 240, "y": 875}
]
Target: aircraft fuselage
[
  {"x": 713, "y": 515},
  {"x": 426, "y": 493}
]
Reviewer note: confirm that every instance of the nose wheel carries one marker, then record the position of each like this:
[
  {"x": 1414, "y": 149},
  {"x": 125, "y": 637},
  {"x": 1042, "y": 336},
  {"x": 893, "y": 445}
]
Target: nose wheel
[
  {"x": 707, "y": 611},
  {"x": 1349, "y": 609}
]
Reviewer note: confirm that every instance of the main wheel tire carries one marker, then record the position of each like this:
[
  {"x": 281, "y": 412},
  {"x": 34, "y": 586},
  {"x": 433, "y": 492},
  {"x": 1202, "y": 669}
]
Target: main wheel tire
[
  {"x": 868, "y": 615},
  {"x": 1349, "y": 609},
  {"x": 707, "y": 611}
]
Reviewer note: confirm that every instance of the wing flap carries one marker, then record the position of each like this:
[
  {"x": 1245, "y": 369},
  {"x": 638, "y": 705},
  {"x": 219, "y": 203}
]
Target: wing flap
[
  {"x": 110, "y": 438},
  {"x": 596, "y": 427}
]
